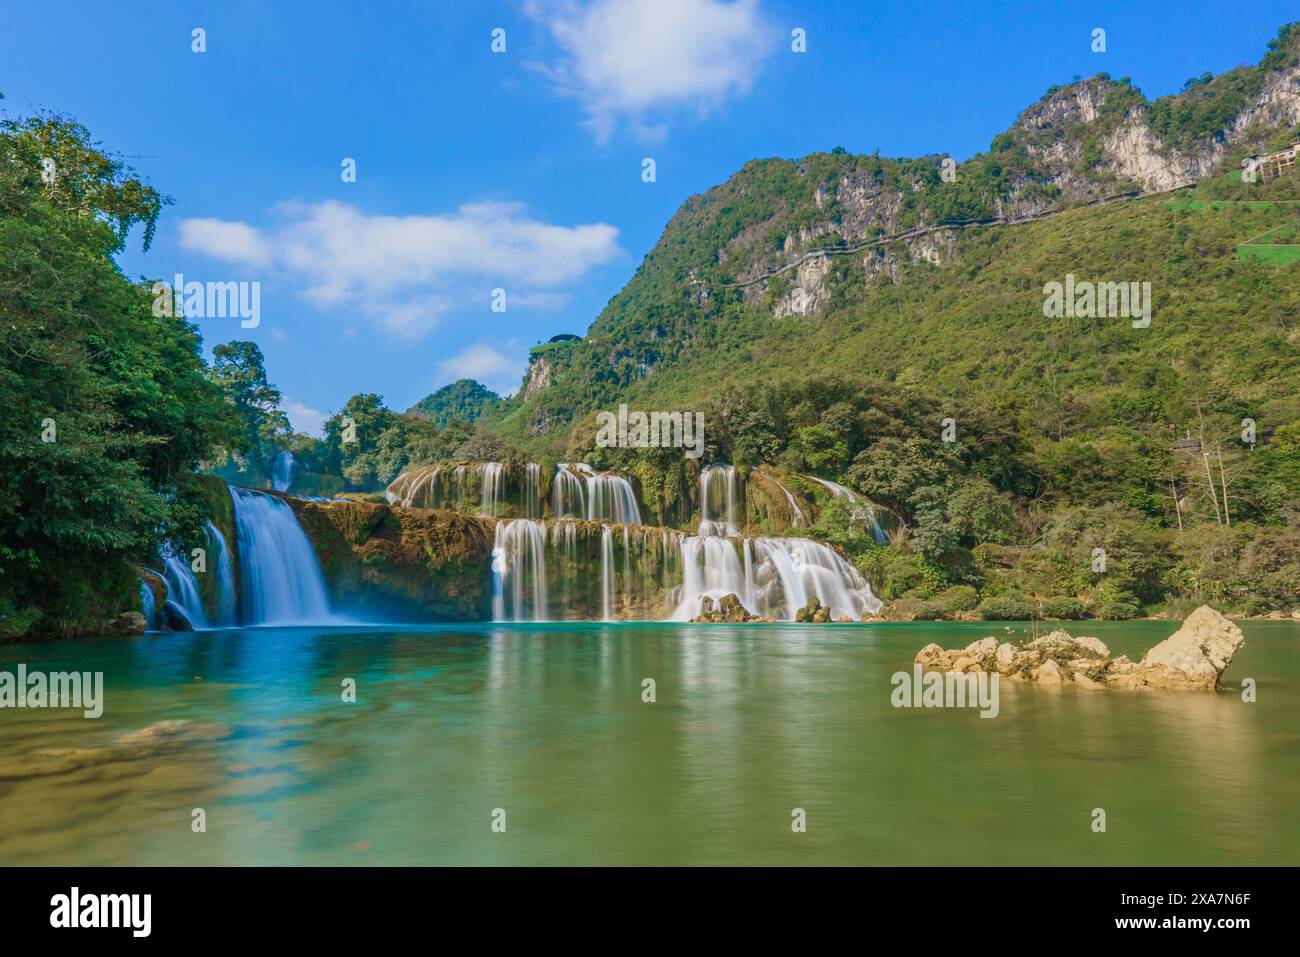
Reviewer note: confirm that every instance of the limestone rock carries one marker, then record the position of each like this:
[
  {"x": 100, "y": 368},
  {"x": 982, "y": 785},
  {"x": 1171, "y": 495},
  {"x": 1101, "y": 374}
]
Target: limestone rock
[
  {"x": 1196, "y": 654},
  {"x": 1193, "y": 657},
  {"x": 1048, "y": 673},
  {"x": 979, "y": 650}
]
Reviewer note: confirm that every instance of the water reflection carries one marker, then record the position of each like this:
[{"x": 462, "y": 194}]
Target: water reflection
[{"x": 547, "y": 722}]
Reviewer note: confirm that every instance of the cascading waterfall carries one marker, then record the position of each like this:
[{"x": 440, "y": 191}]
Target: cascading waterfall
[
  {"x": 797, "y": 517},
  {"x": 606, "y": 574},
  {"x": 775, "y": 579},
  {"x": 567, "y": 494},
  {"x": 283, "y": 471},
  {"x": 578, "y": 571},
  {"x": 280, "y": 577},
  {"x": 225, "y": 611},
  {"x": 611, "y": 498},
  {"x": 183, "y": 588},
  {"x": 713, "y": 478},
  {"x": 493, "y": 483},
  {"x": 532, "y": 490},
  {"x": 862, "y": 509},
  {"x": 519, "y": 567},
  {"x": 147, "y": 606}
]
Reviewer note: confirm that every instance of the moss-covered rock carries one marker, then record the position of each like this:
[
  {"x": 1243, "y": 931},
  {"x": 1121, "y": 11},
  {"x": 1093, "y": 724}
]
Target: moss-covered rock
[{"x": 407, "y": 563}]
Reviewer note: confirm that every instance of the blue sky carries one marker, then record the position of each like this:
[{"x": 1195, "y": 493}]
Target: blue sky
[{"x": 522, "y": 170}]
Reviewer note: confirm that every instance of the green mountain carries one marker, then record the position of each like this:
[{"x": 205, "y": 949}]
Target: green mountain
[
  {"x": 870, "y": 266},
  {"x": 464, "y": 399}
]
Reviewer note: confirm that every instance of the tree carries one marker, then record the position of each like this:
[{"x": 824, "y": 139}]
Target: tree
[
  {"x": 106, "y": 405},
  {"x": 238, "y": 368}
]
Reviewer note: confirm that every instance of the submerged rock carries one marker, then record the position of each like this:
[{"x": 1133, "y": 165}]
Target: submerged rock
[{"x": 1194, "y": 657}]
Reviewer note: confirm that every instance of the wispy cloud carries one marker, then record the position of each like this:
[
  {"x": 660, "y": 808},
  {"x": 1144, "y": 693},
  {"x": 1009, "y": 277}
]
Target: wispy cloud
[
  {"x": 405, "y": 272},
  {"x": 632, "y": 60},
  {"x": 304, "y": 418},
  {"x": 233, "y": 242}
]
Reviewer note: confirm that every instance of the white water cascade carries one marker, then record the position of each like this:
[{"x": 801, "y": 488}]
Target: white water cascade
[
  {"x": 568, "y": 498},
  {"x": 532, "y": 490},
  {"x": 280, "y": 578},
  {"x": 718, "y": 485},
  {"x": 861, "y": 509},
  {"x": 183, "y": 588},
  {"x": 606, "y": 574},
  {"x": 493, "y": 484},
  {"x": 519, "y": 571},
  {"x": 797, "y": 517},
  {"x": 774, "y": 577},
  {"x": 611, "y": 498},
  {"x": 226, "y": 612},
  {"x": 283, "y": 471}
]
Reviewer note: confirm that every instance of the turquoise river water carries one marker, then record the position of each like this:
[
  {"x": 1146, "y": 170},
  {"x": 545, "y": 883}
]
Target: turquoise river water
[{"x": 545, "y": 726}]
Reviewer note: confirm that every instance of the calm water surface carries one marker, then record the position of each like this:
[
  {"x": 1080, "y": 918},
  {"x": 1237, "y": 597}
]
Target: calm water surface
[{"x": 547, "y": 723}]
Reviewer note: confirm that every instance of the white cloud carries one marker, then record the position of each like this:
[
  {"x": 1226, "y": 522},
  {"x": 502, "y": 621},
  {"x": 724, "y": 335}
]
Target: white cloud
[
  {"x": 498, "y": 371},
  {"x": 304, "y": 418},
  {"x": 234, "y": 242},
  {"x": 624, "y": 59},
  {"x": 405, "y": 272}
]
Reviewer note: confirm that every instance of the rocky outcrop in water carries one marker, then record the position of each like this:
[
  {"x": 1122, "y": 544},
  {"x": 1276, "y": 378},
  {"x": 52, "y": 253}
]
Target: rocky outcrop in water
[
  {"x": 1192, "y": 658},
  {"x": 727, "y": 609}
]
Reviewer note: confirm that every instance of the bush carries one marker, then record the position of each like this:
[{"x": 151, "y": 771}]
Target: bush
[
  {"x": 1116, "y": 610},
  {"x": 1006, "y": 608},
  {"x": 959, "y": 598},
  {"x": 920, "y": 610},
  {"x": 1062, "y": 606}
]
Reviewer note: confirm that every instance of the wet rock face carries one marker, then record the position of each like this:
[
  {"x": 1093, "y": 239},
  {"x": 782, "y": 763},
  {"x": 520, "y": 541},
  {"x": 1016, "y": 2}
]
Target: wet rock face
[
  {"x": 813, "y": 612},
  {"x": 1192, "y": 658},
  {"x": 727, "y": 609},
  {"x": 172, "y": 618},
  {"x": 410, "y": 564}
]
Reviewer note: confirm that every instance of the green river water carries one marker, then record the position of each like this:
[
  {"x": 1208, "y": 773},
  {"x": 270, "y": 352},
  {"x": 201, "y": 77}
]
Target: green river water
[{"x": 546, "y": 723}]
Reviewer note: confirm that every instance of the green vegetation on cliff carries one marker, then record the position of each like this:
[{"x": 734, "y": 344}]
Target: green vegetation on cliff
[{"x": 106, "y": 405}]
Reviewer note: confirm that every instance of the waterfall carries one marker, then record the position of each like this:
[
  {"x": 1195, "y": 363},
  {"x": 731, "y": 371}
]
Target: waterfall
[
  {"x": 225, "y": 612},
  {"x": 281, "y": 580},
  {"x": 406, "y": 487},
  {"x": 183, "y": 588},
  {"x": 147, "y": 606},
  {"x": 861, "y": 510},
  {"x": 567, "y": 499},
  {"x": 519, "y": 571},
  {"x": 774, "y": 577},
  {"x": 493, "y": 483},
  {"x": 606, "y": 574},
  {"x": 611, "y": 498},
  {"x": 797, "y": 517},
  {"x": 532, "y": 490},
  {"x": 283, "y": 471},
  {"x": 710, "y": 478}
]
